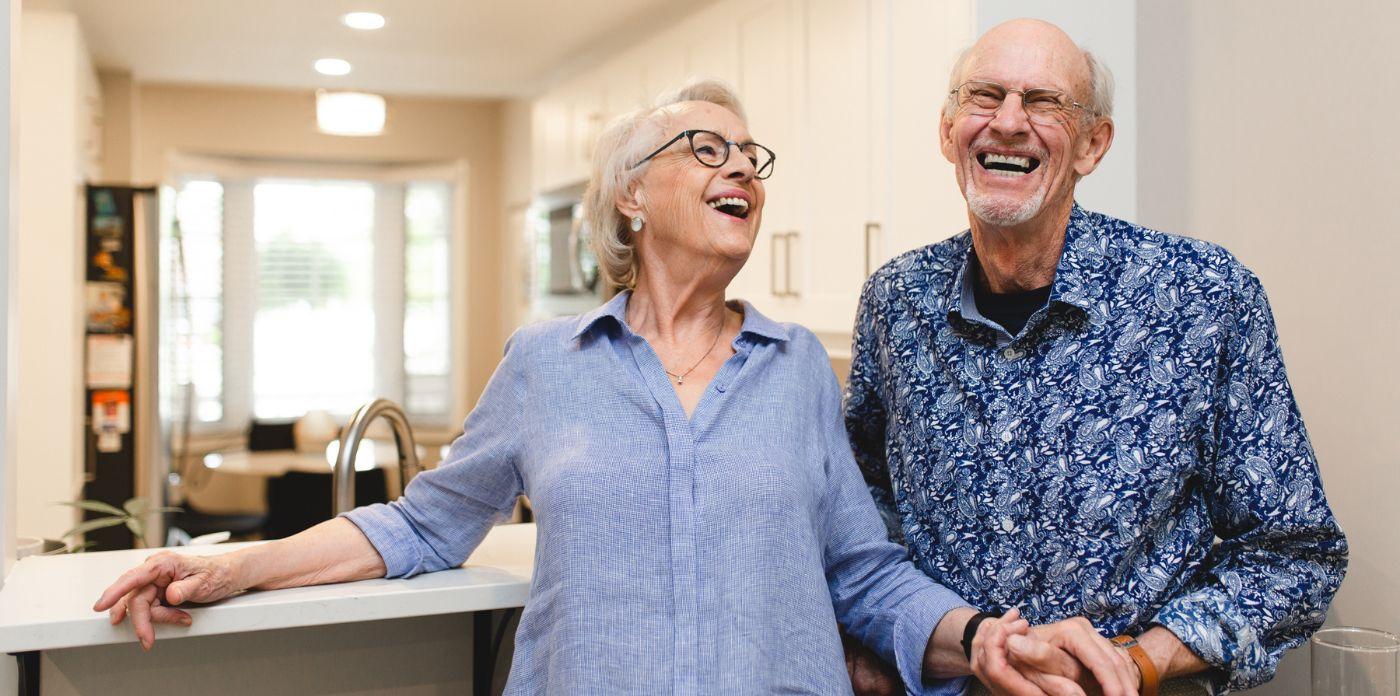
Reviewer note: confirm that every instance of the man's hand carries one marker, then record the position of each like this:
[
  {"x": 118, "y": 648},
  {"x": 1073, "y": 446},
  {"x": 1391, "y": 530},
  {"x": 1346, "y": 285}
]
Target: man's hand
[
  {"x": 993, "y": 668},
  {"x": 1080, "y": 654},
  {"x": 870, "y": 675}
]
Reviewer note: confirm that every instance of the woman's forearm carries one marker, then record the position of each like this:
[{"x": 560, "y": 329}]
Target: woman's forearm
[
  {"x": 944, "y": 657},
  {"x": 332, "y": 551}
]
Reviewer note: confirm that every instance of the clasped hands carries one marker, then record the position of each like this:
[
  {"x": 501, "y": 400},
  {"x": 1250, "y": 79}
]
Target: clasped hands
[
  {"x": 1011, "y": 657},
  {"x": 1065, "y": 658}
]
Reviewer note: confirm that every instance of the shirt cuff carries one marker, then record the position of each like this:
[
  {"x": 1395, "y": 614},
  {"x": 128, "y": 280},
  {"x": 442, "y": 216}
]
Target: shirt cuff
[
  {"x": 912, "y": 631},
  {"x": 391, "y": 536},
  {"x": 1213, "y": 628}
]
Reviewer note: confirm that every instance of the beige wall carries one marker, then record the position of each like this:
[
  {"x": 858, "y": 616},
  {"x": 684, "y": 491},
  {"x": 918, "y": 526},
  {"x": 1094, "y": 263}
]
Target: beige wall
[
  {"x": 1270, "y": 129},
  {"x": 53, "y": 71},
  {"x": 275, "y": 124}
]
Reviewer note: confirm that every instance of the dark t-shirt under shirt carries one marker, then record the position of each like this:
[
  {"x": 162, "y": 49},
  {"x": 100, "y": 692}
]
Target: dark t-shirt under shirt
[{"x": 1011, "y": 310}]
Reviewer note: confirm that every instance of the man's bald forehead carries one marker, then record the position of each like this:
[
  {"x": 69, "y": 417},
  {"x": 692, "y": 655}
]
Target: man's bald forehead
[{"x": 1038, "y": 33}]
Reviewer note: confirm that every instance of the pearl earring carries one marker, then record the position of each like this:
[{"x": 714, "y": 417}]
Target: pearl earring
[{"x": 637, "y": 224}]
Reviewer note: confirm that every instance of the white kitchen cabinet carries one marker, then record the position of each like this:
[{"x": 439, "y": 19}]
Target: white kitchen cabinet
[
  {"x": 551, "y": 141},
  {"x": 847, "y": 93},
  {"x": 839, "y": 203},
  {"x": 769, "y": 82},
  {"x": 924, "y": 204}
]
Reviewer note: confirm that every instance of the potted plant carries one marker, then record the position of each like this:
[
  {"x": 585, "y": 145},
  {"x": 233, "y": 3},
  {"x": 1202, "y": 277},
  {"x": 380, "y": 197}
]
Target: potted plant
[{"x": 132, "y": 513}]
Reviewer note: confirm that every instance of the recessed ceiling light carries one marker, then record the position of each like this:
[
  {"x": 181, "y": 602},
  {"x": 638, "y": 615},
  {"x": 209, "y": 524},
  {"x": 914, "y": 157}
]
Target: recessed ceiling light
[
  {"x": 349, "y": 113},
  {"x": 366, "y": 21},
  {"x": 333, "y": 66}
]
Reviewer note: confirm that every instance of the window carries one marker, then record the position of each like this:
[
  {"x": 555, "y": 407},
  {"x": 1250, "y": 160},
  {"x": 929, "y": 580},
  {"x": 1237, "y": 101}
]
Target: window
[{"x": 284, "y": 295}]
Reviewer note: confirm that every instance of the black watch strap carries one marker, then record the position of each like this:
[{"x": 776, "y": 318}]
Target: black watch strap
[{"x": 971, "y": 631}]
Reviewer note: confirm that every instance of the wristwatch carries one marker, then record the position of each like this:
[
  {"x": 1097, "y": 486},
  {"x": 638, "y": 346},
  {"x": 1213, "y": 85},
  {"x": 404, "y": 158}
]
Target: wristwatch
[
  {"x": 1144, "y": 663},
  {"x": 970, "y": 631}
]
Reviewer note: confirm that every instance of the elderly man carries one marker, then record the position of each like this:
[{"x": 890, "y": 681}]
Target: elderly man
[{"x": 1068, "y": 413}]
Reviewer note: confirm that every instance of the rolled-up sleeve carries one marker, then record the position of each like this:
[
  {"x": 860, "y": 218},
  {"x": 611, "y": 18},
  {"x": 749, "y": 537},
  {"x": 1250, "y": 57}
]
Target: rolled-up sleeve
[
  {"x": 446, "y": 512},
  {"x": 1281, "y": 556},
  {"x": 879, "y": 595}
]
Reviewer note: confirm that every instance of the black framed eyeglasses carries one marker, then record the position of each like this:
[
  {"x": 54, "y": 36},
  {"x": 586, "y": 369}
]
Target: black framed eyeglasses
[{"x": 712, "y": 150}]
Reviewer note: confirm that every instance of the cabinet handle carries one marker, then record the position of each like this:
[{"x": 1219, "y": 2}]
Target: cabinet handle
[
  {"x": 787, "y": 264},
  {"x": 773, "y": 264},
  {"x": 870, "y": 255}
]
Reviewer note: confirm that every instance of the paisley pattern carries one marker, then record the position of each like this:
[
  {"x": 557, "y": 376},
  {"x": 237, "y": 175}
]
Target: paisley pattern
[{"x": 1087, "y": 465}]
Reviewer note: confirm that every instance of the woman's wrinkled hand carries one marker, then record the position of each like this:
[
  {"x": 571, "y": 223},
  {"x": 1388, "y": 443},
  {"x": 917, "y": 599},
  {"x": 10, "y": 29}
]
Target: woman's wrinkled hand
[
  {"x": 993, "y": 667},
  {"x": 150, "y": 592}
]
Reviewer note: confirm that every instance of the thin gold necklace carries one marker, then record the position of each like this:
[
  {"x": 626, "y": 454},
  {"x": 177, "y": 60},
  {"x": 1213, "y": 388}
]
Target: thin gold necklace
[{"x": 680, "y": 378}]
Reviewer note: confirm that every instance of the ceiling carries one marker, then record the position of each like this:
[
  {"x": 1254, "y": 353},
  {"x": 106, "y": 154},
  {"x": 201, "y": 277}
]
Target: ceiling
[{"x": 460, "y": 48}]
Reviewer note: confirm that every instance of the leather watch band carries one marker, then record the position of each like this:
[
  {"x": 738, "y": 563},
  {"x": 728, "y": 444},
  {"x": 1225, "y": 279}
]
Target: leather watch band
[{"x": 1144, "y": 663}]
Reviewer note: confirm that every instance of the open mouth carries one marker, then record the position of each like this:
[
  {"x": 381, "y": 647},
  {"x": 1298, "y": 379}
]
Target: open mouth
[
  {"x": 1007, "y": 165},
  {"x": 731, "y": 206}
]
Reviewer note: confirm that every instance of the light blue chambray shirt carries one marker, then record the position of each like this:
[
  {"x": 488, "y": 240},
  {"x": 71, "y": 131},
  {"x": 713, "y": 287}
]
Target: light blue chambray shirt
[{"x": 706, "y": 555}]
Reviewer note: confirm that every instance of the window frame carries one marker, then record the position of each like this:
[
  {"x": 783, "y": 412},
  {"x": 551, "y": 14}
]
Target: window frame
[{"x": 239, "y": 176}]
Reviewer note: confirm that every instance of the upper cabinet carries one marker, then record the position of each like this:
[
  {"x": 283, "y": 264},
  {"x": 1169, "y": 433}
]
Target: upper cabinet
[{"x": 847, "y": 93}]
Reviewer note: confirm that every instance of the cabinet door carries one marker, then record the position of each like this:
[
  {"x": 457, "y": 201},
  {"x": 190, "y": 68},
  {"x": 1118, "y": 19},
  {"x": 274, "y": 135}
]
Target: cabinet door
[
  {"x": 551, "y": 125},
  {"x": 839, "y": 210},
  {"x": 587, "y": 101},
  {"x": 769, "y": 46},
  {"x": 924, "y": 203}
]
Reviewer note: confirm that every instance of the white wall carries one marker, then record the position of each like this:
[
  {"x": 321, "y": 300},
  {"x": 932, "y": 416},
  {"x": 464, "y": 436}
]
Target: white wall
[
  {"x": 1109, "y": 30},
  {"x": 9, "y": 51},
  {"x": 9, "y": 47},
  {"x": 1270, "y": 129},
  {"x": 49, "y": 263}
]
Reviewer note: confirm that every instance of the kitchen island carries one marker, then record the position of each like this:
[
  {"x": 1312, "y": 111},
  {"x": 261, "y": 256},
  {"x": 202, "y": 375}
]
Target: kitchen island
[{"x": 428, "y": 634}]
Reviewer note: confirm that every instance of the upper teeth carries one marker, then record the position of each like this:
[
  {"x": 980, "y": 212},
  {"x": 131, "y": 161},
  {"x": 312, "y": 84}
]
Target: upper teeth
[
  {"x": 743, "y": 204},
  {"x": 1009, "y": 159}
]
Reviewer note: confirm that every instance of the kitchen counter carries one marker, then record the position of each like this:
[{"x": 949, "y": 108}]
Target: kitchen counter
[{"x": 46, "y": 603}]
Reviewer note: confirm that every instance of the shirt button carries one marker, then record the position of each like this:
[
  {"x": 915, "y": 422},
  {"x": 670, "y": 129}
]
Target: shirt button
[{"x": 1011, "y": 353}]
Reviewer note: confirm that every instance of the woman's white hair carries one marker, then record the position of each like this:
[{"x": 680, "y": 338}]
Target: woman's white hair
[
  {"x": 1099, "y": 99},
  {"x": 625, "y": 141}
]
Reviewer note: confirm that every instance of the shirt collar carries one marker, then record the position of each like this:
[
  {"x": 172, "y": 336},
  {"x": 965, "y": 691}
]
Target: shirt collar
[
  {"x": 755, "y": 323},
  {"x": 1077, "y": 275}
]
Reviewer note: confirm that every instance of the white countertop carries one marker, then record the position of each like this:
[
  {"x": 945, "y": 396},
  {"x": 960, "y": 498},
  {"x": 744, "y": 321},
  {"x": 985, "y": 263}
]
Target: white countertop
[{"x": 46, "y": 602}]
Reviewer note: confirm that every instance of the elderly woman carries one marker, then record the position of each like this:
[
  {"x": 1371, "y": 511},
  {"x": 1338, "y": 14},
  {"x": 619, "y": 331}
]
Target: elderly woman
[{"x": 702, "y": 526}]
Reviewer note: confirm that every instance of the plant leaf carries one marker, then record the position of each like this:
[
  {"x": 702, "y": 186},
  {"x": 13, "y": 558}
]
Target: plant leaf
[
  {"x": 136, "y": 506},
  {"x": 136, "y": 527},
  {"x": 96, "y": 506},
  {"x": 165, "y": 509},
  {"x": 90, "y": 525}
]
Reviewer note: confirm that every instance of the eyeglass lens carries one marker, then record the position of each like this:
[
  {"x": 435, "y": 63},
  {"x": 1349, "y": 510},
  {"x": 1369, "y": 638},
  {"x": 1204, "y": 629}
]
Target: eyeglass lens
[
  {"x": 713, "y": 151},
  {"x": 1043, "y": 106}
]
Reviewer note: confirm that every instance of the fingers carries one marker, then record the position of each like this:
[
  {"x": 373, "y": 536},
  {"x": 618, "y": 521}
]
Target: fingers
[
  {"x": 1041, "y": 656},
  {"x": 1100, "y": 657},
  {"x": 991, "y": 667},
  {"x": 170, "y": 615},
  {"x": 144, "y": 574},
  {"x": 118, "y": 611},
  {"x": 1046, "y": 666},
  {"x": 140, "y": 608},
  {"x": 1056, "y": 686},
  {"x": 180, "y": 590}
]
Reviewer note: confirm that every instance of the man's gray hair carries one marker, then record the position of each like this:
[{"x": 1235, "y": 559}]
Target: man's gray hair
[
  {"x": 1099, "y": 100},
  {"x": 625, "y": 141}
]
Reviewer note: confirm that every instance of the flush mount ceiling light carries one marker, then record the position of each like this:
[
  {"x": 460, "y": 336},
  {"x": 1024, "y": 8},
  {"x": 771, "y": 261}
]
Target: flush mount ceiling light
[
  {"x": 364, "y": 21},
  {"x": 349, "y": 113},
  {"x": 332, "y": 66}
]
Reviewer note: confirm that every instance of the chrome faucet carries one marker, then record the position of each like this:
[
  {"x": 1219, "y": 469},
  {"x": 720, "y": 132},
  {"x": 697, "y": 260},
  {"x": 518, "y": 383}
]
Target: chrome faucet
[{"x": 343, "y": 476}]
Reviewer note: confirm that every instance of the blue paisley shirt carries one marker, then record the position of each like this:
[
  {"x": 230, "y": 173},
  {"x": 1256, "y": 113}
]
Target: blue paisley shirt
[{"x": 1134, "y": 455}]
